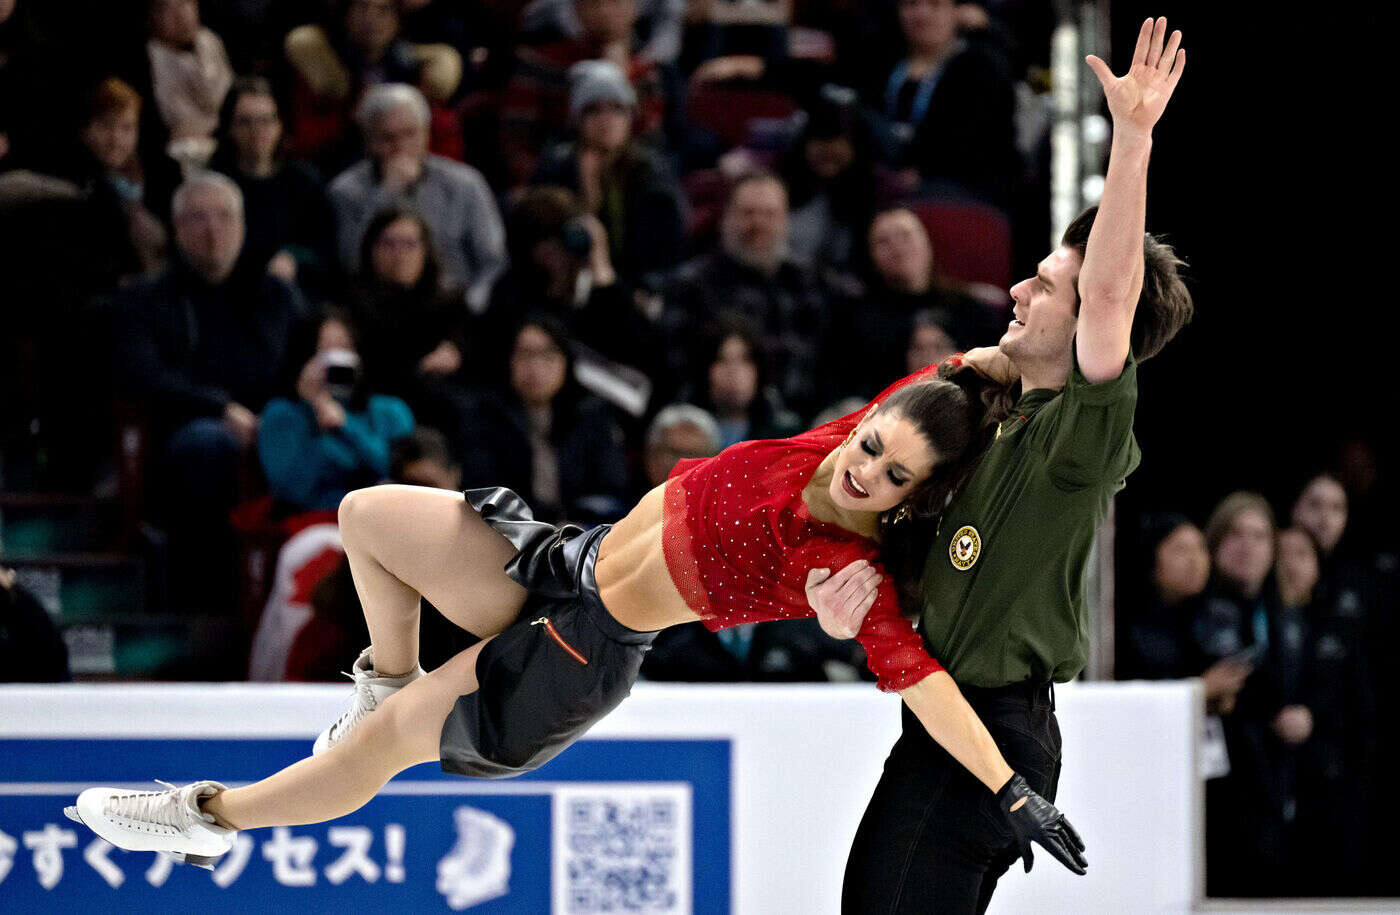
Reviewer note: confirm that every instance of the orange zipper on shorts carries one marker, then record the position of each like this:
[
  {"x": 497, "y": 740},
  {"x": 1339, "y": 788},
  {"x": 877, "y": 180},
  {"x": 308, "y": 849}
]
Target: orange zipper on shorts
[{"x": 554, "y": 634}]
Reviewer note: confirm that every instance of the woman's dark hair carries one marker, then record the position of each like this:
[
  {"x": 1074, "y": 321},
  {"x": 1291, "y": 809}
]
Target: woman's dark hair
[
  {"x": 958, "y": 412},
  {"x": 432, "y": 267},
  {"x": 225, "y": 158},
  {"x": 708, "y": 345}
]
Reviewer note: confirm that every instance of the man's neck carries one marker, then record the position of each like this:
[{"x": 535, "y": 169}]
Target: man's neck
[{"x": 1049, "y": 377}]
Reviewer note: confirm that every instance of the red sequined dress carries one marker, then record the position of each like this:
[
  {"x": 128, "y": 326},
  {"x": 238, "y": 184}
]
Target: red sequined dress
[{"x": 739, "y": 541}]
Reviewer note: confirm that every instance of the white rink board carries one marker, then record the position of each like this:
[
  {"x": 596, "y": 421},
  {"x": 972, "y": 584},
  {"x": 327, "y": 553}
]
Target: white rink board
[{"x": 805, "y": 760}]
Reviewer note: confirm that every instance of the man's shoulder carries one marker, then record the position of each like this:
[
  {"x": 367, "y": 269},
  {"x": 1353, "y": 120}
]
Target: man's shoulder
[
  {"x": 354, "y": 181},
  {"x": 456, "y": 174}
]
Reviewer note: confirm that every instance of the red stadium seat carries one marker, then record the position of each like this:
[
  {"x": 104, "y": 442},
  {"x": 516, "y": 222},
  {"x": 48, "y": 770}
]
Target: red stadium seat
[
  {"x": 971, "y": 241},
  {"x": 727, "y": 110}
]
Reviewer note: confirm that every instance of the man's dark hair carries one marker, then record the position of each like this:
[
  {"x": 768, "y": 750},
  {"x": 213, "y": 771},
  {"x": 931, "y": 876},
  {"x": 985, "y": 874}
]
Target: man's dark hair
[{"x": 1165, "y": 305}]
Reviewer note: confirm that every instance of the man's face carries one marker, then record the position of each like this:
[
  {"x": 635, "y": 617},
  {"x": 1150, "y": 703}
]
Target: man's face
[
  {"x": 756, "y": 222},
  {"x": 209, "y": 232},
  {"x": 900, "y": 251},
  {"x": 1045, "y": 313},
  {"x": 606, "y": 20},
  {"x": 605, "y": 126},
  {"x": 397, "y": 133},
  {"x": 1321, "y": 510}
]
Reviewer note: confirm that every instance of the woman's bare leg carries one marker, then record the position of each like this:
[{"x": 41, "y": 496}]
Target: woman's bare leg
[
  {"x": 406, "y": 541},
  {"x": 402, "y": 732}
]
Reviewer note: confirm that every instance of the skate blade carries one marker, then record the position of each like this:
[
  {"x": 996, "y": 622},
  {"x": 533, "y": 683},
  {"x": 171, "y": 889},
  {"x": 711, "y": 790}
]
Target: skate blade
[
  {"x": 204, "y": 861},
  {"x": 71, "y": 813}
]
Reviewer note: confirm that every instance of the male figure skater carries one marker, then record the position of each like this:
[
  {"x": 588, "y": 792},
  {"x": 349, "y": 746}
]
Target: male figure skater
[{"x": 1001, "y": 589}]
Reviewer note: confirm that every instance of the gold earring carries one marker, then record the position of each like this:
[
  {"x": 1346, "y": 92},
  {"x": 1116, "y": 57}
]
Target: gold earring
[
  {"x": 848, "y": 439},
  {"x": 902, "y": 514}
]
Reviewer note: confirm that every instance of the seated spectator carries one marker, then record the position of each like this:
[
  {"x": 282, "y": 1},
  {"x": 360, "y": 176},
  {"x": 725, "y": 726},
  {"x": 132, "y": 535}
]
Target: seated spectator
[
  {"x": 751, "y": 274},
  {"x": 830, "y": 174},
  {"x": 31, "y": 647},
  {"x": 1163, "y": 584},
  {"x": 535, "y": 106},
  {"x": 358, "y": 46},
  {"x": 929, "y": 341},
  {"x": 128, "y": 199},
  {"x": 878, "y": 329},
  {"x": 616, "y": 178},
  {"x": 204, "y": 347},
  {"x": 284, "y": 202},
  {"x": 679, "y": 432},
  {"x": 561, "y": 267},
  {"x": 731, "y": 382},
  {"x": 190, "y": 74},
  {"x": 657, "y": 26},
  {"x": 414, "y": 334},
  {"x": 453, "y": 198},
  {"x": 1240, "y": 536},
  {"x": 335, "y": 435},
  {"x": 949, "y": 106},
  {"x": 542, "y": 436}
]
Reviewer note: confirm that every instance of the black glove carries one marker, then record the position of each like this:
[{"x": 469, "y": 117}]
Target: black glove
[{"x": 1038, "y": 820}]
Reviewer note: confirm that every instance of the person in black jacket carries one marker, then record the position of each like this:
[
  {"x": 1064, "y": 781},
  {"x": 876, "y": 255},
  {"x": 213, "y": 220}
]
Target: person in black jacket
[
  {"x": 617, "y": 178},
  {"x": 542, "y": 436},
  {"x": 949, "y": 105},
  {"x": 202, "y": 348},
  {"x": 31, "y": 648},
  {"x": 288, "y": 219}
]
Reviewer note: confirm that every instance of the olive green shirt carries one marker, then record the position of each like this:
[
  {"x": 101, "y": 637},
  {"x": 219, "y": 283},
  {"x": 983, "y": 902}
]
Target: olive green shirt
[{"x": 1003, "y": 586}]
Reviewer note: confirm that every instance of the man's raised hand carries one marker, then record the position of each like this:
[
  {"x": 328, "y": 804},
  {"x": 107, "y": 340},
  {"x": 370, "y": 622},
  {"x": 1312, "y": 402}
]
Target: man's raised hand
[
  {"x": 1138, "y": 99},
  {"x": 842, "y": 600}
]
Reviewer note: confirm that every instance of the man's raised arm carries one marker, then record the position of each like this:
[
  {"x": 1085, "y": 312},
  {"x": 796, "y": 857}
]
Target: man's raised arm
[{"x": 1110, "y": 280}]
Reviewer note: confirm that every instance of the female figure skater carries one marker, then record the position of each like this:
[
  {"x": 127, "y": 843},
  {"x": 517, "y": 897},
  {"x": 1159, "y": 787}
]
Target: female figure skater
[{"x": 725, "y": 540}]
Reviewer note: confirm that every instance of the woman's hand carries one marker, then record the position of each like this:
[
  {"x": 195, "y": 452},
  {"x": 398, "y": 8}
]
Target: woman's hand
[
  {"x": 990, "y": 362},
  {"x": 283, "y": 265},
  {"x": 1034, "y": 819},
  {"x": 842, "y": 600},
  {"x": 330, "y": 415}
]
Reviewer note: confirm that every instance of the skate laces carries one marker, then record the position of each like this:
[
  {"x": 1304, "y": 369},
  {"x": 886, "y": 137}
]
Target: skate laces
[
  {"x": 364, "y": 703},
  {"x": 162, "y": 808}
]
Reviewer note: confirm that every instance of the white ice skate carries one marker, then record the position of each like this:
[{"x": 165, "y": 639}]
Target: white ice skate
[
  {"x": 168, "y": 821},
  {"x": 370, "y": 690}
]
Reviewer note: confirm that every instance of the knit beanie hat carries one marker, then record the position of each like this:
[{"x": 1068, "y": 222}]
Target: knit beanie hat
[{"x": 598, "y": 81}]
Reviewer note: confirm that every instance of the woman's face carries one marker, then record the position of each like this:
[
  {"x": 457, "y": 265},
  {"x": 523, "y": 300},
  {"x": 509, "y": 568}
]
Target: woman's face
[
  {"x": 1183, "y": 564},
  {"x": 929, "y": 25},
  {"x": 175, "y": 22},
  {"x": 605, "y": 126},
  {"x": 1297, "y": 566},
  {"x": 733, "y": 376},
  {"x": 400, "y": 253},
  {"x": 537, "y": 367},
  {"x": 1247, "y": 551},
  {"x": 255, "y": 127},
  {"x": 882, "y": 464},
  {"x": 901, "y": 252},
  {"x": 1321, "y": 510},
  {"x": 111, "y": 138}
]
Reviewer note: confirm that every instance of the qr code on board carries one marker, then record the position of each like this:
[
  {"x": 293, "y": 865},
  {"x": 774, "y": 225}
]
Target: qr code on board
[{"x": 623, "y": 848}]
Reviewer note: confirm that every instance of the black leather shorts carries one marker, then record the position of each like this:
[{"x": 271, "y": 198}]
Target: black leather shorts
[{"x": 561, "y": 666}]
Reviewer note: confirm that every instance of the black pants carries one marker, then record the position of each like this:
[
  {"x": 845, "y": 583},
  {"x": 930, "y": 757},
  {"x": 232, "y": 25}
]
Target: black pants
[{"x": 933, "y": 838}]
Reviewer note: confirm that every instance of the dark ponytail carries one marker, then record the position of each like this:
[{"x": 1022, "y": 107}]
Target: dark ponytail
[{"x": 958, "y": 412}]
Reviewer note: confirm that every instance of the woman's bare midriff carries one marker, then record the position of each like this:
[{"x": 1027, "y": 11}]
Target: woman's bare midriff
[{"x": 633, "y": 580}]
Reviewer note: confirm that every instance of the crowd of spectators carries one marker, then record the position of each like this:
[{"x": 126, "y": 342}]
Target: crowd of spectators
[
  {"x": 265, "y": 243},
  {"x": 1288, "y": 621}
]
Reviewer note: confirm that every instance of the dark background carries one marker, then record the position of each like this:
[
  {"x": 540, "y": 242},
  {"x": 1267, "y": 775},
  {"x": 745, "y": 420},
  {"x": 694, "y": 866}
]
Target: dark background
[{"x": 1271, "y": 175}]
